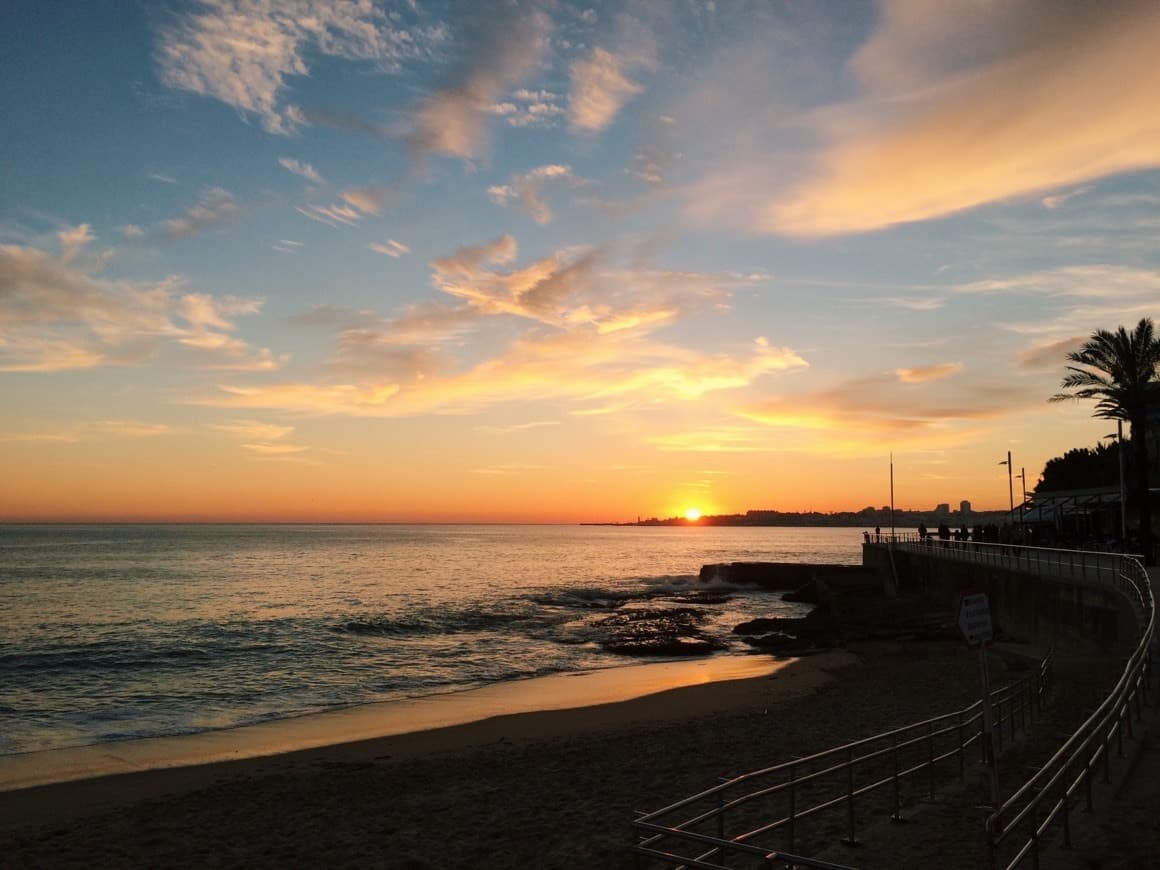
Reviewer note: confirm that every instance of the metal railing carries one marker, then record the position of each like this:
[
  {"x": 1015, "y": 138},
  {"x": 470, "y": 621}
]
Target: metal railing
[
  {"x": 726, "y": 822},
  {"x": 1082, "y": 566},
  {"x": 1017, "y": 829}
]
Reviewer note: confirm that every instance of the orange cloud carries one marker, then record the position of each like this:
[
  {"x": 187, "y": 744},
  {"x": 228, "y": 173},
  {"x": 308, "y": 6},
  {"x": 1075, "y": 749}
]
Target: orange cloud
[
  {"x": 928, "y": 373},
  {"x": 961, "y": 104}
]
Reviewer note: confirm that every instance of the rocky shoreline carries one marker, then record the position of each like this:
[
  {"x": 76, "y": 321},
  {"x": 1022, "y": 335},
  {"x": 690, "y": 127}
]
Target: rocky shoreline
[{"x": 850, "y": 604}]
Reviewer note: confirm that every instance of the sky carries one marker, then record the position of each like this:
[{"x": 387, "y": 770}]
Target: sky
[{"x": 346, "y": 260}]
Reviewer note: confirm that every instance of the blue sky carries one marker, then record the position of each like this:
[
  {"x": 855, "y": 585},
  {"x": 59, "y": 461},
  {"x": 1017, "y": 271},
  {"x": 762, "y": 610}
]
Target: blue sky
[{"x": 550, "y": 260}]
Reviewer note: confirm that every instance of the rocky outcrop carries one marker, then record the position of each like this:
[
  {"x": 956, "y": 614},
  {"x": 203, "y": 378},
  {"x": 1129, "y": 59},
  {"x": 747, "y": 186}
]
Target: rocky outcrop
[{"x": 657, "y": 632}]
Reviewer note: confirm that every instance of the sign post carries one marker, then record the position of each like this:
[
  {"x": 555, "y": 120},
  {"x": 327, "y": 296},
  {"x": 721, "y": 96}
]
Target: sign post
[{"x": 974, "y": 622}]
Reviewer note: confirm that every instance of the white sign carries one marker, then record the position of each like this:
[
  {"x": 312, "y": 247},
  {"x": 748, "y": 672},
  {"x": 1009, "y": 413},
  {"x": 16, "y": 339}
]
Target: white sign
[{"x": 975, "y": 619}]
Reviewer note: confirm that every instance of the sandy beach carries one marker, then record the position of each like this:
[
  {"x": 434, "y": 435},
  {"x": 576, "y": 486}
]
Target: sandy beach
[{"x": 545, "y": 788}]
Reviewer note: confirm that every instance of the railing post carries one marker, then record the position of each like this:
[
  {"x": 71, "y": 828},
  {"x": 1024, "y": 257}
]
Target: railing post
[
  {"x": 999, "y": 723},
  {"x": 1107, "y": 762},
  {"x": 962, "y": 749},
  {"x": 792, "y": 802},
  {"x": 1034, "y": 836},
  {"x": 1087, "y": 786},
  {"x": 896, "y": 816},
  {"x": 721, "y": 856},
  {"x": 851, "y": 839},
  {"x": 930, "y": 757}
]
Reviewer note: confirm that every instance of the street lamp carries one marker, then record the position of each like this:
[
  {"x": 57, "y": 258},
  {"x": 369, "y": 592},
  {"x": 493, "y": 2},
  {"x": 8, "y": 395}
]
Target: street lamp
[
  {"x": 1010, "y": 483},
  {"x": 1023, "y": 489},
  {"x": 1119, "y": 436}
]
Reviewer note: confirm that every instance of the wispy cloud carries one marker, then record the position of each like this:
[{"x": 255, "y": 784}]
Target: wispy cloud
[
  {"x": 242, "y": 52},
  {"x": 300, "y": 168},
  {"x": 253, "y": 430},
  {"x": 287, "y": 246},
  {"x": 73, "y": 240},
  {"x": 960, "y": 106},
  {"x": 589, "y": 342},
  {"x": 57, "y": 315},
  {"x": 368, "y": 200},
  {"x": 519, "y": 427},
  {"x": 216, "y": 206},
  {"x": 599, "y": 88},
  {"x": 600, "y": 82},
  {"x": 500, "y": 46},
  {"x": 331, "y": 215},
  {"x": 525, "y": 187},
  {"x": 390, "y": 248},
  {"x": 922, "y": 374}
]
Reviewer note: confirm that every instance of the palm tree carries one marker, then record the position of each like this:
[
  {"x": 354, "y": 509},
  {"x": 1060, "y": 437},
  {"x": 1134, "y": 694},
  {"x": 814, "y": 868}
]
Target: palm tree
[{"x": 1121, "y": 370}]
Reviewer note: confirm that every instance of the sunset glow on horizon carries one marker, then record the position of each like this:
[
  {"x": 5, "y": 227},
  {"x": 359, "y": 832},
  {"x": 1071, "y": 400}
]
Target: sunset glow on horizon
[{"x": 331, "y": 261}]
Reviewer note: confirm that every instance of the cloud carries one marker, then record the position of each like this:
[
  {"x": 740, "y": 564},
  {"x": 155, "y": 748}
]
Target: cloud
[
  {"x": 253, "y": 430},
  {"x": 300, "y": 168},
  {"x": 331, "y": 215},
  {"x": 500, "y": 45},
  {"x": 215, "y": 207},
  {"x": 519, "y": 427},
  {"x": 390, "y": 249},
  {"x": 56, "y": 315},
  {"x": 133, "y": 428},
  {"x": 717, "y": 439},
  {"x": 580, "y": 366},
  {"x": 161, "y": 178},
  {"x": 588, "y": 342},
  {"x": 599, "y": 89},
  {"x": 275, "y": 449},
  {"x": 94, "y": 430},
  {"x": 132, "y": 231},
  {"x": 525, "y": 108},
  {"x": 466, "y": 260},
  {"x": 1055, "y": 201},
  {"x": 242, "y": 52},
  {"x": 1052, "y": 355},
  {"x": 524, "y": 189},
  {"x": 1092, "y": 281},
  {"x": 368, "y": 200},
  {"x": 73, "y": 240},
  {"x": 960, "y": 104},
  {"x": 287, "y": 246},
  {"x": 599, "y": 82},
  {"x": 928, "y": 373},
  {"x": 867, "y": 414}
]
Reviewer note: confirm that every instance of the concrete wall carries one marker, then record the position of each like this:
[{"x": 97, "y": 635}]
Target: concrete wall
[{"x": 1024, "y": 607}]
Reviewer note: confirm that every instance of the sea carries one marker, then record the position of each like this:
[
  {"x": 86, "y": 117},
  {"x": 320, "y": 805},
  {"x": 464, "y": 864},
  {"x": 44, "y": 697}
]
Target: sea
[{"x": 113, "y": 632}]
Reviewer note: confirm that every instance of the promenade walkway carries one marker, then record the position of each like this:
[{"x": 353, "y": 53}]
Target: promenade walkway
[
  {"x": 1085, "y": 776},
  {"x": 1121, "y": 833}
]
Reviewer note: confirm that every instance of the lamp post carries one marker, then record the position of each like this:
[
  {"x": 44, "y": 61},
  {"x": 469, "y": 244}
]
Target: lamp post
[
  {"x": 1119, "y": 436},
  {"x": 1010, "y": 483},
  {"x": 1022, "y": 489}
]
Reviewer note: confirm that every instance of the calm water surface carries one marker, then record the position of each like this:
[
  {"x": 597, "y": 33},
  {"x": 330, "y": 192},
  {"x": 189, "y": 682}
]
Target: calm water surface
[{"x": 113, "y": 632}]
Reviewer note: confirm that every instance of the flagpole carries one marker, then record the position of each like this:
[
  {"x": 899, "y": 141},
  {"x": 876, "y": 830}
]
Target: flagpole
[{"x": 892, "y": 496}]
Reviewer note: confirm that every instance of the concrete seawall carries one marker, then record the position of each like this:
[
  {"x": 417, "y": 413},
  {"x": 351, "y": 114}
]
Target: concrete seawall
[{"x": 1047, "y": 609}]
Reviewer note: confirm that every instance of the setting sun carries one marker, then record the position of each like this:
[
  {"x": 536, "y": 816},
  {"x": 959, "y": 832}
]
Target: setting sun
[{"x": 692, "y": 515}]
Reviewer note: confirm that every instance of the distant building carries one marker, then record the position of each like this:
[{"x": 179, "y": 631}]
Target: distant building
[
  {"x": 943, "y": 510},
  {"x": 965, "y": 508}
]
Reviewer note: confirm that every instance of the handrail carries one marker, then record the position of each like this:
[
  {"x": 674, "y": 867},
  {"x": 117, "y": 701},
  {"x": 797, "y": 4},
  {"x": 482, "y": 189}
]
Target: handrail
[
  {"x": 885, "y": 759},
  {"x": 1032, "y": 809},
  {"x": 1072, "y": 766}
]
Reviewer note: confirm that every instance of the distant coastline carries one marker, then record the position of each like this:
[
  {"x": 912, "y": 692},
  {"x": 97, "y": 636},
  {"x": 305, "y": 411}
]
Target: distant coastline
[{"x": 866, "y": 518}]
